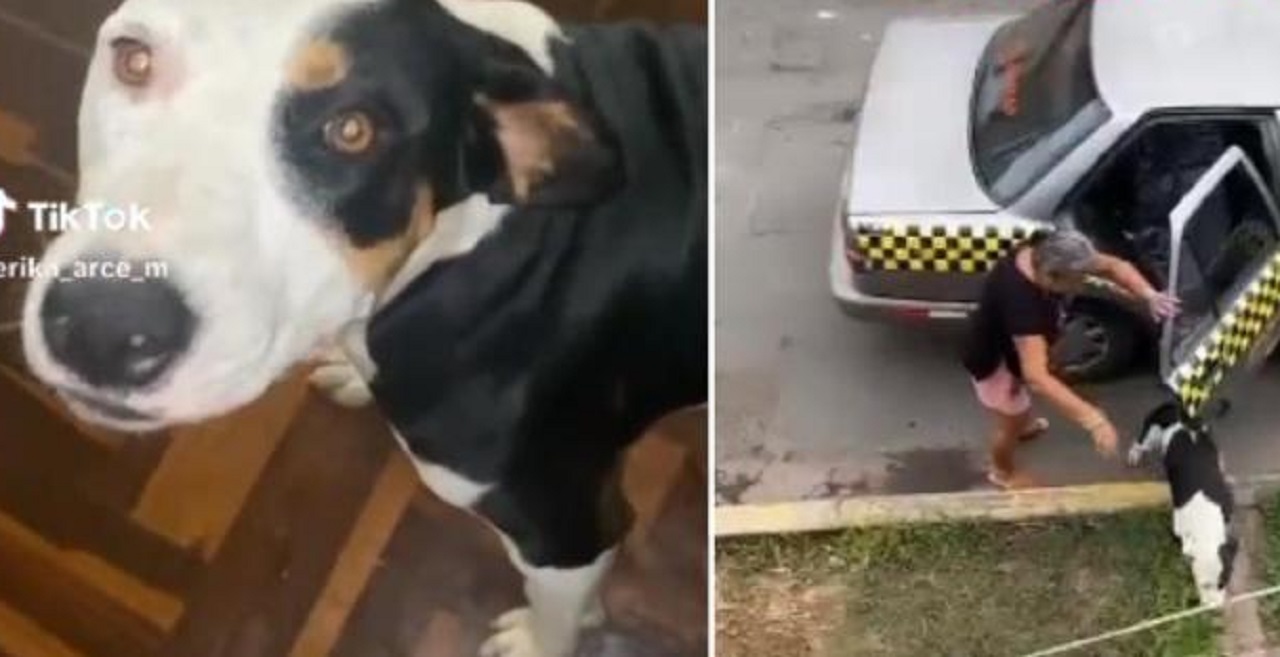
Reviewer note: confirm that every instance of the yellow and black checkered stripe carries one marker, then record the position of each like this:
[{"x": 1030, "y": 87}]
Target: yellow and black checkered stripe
[
  {"x": 937, "y": 248},
  {"x": 1234, "y": 337}
]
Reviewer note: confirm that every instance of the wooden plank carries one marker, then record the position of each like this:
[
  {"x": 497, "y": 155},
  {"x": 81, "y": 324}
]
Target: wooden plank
[
  {"x": 160, "y": 608},
  {"x": 46, "y": 398},
  {"x": 658, "y": 589},
  {"x": 69, "y": 520},
  {"x": 652, "y": 470},
  {"x": 129, "y": 462},
  {"x": 396, "y": 487},
  {"x": 258, "y": 590},
  {"x": 17, "y": 139},
  {"x": 57, "y": 24},
  {"x": 22, "y": 637},
  {"x": 440, "y": 560},
  {"x": 83, "y": 510},
  {"x": 204, "y": 478},
  {"x": 49, "y": 104},
  {"x": 34, "y": 581},
  {"x": 689, "y": 427}
]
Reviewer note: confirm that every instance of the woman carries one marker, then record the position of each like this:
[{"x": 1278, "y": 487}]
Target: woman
[{"x": 1018, "y": 318}]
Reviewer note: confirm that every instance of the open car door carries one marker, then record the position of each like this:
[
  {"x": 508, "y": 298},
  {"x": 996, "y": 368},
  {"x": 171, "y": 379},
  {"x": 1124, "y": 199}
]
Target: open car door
[{"x": 1225, "y": 267}]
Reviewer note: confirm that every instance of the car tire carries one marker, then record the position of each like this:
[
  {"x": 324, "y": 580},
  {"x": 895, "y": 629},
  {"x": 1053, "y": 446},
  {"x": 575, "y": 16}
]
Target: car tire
[{"x": 1098, "y": 342}]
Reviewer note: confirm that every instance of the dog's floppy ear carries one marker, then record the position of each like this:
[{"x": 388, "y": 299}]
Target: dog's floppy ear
[{"x": 552, "y": 150}]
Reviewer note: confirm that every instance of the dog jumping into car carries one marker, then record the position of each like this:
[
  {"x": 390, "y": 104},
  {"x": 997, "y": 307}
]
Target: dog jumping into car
[
  {"x": 1202, "y": 501},
  {"x": 500, "y": 219}
]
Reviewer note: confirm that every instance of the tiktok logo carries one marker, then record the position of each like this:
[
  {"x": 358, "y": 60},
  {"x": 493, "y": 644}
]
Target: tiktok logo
[{"x": 7, "y": 205}]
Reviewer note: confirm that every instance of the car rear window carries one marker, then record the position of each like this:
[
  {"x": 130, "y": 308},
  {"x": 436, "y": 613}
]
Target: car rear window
[{"x": 1035, "y": 98}]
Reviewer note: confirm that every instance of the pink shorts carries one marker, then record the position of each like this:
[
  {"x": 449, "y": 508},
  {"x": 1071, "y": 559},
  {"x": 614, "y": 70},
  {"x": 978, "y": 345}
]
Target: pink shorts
[{"x": 1003, "y": 393}]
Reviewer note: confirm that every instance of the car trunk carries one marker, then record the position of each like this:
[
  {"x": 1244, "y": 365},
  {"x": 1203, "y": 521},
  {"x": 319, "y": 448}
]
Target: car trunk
[
  {"x": 912, "y": 152},
  {"x": 931, "y": 258}
]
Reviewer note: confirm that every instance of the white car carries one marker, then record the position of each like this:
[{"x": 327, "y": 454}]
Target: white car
[{"x": 1150, "y": 125}]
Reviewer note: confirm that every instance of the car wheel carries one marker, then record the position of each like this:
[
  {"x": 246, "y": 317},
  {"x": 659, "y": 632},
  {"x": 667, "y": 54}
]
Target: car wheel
[{"x": 1097, "y": 343}]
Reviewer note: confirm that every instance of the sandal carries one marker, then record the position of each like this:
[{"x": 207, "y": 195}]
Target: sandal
[{"x": 1009, "y": 481}]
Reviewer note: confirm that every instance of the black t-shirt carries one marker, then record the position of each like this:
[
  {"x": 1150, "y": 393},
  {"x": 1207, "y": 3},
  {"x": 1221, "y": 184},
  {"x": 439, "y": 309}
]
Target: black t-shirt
[{"x": 1010, "y": 306}]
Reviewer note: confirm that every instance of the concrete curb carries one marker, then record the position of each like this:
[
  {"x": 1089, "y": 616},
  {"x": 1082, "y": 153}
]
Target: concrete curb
[{"x": 877, "y": 510}]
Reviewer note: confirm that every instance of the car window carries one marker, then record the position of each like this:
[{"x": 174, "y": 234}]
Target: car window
[
  {"x": 1225, "y": 242},
  {"x": 1125, "y": 205},
  {"x": 1034, "y": 99}
]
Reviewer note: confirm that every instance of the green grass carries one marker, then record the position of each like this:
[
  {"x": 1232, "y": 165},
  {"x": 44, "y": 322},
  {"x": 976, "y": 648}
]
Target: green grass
[
  {"x": 1269, "y": 608},
  {"x": 959, "y": 590}
]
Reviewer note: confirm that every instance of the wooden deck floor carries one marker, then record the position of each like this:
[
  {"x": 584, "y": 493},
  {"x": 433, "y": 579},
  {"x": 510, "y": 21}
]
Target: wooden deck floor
[{"x": 293, "y": 528}]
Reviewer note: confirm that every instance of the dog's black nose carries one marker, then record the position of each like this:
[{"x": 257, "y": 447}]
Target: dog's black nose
[{"x": 116, "y": 332}]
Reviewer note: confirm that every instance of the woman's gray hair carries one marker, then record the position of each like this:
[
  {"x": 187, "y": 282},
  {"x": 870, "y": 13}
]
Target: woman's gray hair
[{"x": 1064, "y": 253}]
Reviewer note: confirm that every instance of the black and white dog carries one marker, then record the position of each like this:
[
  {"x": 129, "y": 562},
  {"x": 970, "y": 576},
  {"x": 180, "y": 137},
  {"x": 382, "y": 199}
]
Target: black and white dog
[
  {"x": 1202, "y": 500},
  {"x": 501, "y": 219}
]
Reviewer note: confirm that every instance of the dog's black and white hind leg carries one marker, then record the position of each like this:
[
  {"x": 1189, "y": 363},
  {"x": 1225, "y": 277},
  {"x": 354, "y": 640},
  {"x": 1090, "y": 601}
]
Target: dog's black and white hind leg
[{"x": 563, "y": 538}]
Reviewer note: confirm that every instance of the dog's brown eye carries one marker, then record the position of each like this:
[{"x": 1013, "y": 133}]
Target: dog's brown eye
[
  {"x": 351, "y": 133},
  {"x": 133, "y": 62}
]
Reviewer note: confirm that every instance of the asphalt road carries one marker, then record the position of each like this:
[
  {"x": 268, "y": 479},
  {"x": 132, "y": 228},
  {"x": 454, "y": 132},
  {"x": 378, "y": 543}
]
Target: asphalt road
[{"x": 809, "y": 402}]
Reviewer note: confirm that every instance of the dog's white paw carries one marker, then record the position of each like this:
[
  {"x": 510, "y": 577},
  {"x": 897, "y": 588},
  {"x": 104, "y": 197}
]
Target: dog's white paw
[
  {"x": 339, "y": 380},
  {"x": 513, "y": 636},
  {"x": 1135, "y": 456}
]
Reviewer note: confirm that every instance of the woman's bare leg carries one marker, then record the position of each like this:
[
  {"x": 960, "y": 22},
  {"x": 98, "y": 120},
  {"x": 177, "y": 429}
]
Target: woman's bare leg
[
  {"x": 1010, "y": 430},
  {"x": 1032, "y": 428}
]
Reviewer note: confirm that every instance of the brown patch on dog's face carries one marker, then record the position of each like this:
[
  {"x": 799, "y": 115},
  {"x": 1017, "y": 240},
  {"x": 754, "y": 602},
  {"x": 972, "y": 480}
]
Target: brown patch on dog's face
[
  {"x": 534, "y": 137},
  {"x": 376, "y": 265},
  {"x": 319, "y": 65}
]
